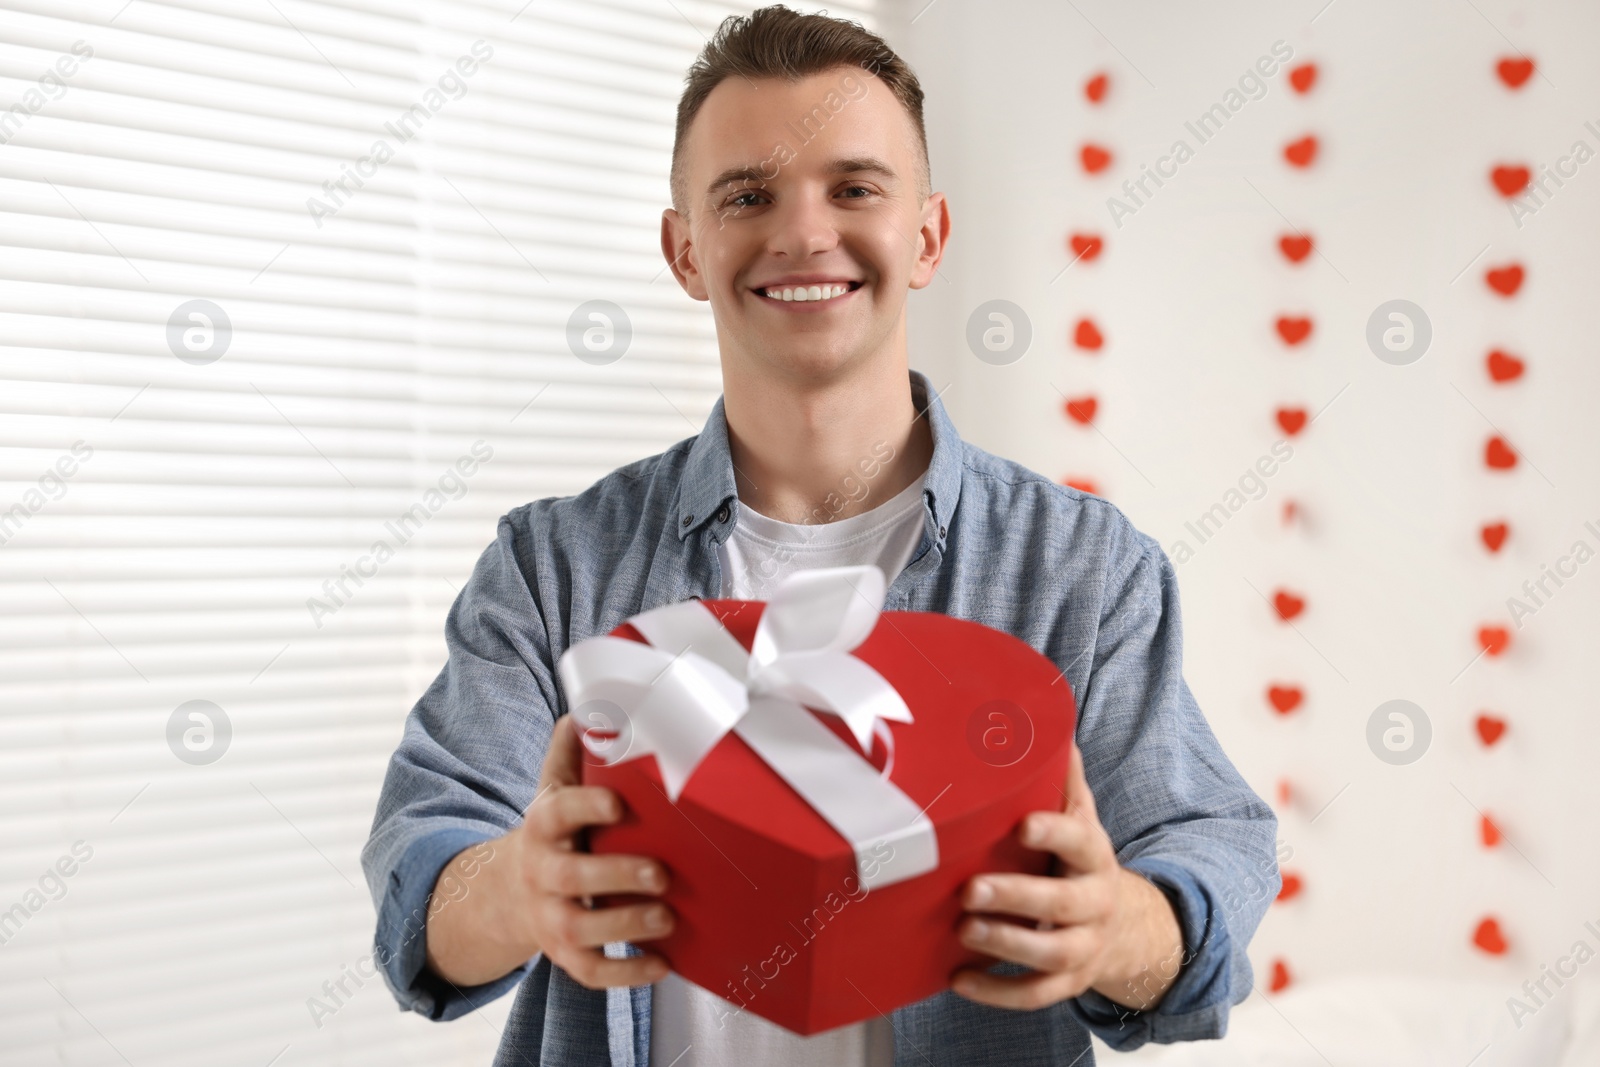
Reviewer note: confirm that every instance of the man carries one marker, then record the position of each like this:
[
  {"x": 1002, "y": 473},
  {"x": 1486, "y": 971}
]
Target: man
[{"x": 825, "y": 449}]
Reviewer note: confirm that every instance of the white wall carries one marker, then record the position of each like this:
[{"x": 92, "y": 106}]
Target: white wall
[{"x": 1411, "y": 117}]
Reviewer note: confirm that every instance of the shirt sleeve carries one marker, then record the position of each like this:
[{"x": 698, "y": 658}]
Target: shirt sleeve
[
  {"x": 1177, "y": 810},
  {"x": 466, "y": 769}
]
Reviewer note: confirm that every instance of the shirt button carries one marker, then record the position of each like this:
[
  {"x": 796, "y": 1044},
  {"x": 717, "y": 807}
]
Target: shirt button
[
  {"x": 941, "y": 533},
  {"x": 722, "y": 513},
  {"x": 687, "y": 520}
]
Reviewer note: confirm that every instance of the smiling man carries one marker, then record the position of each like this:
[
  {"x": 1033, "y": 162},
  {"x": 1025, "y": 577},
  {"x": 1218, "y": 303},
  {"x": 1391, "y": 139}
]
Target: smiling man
[{"x": 803, "y": 214}]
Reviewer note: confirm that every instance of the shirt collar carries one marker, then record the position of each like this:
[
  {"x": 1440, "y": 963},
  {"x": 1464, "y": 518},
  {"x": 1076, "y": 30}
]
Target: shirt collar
[{"x": 707, "y": 484}]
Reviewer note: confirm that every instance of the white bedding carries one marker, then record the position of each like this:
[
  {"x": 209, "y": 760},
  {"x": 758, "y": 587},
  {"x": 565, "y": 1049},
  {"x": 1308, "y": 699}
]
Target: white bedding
[{"x": 1404, "y": 1022}]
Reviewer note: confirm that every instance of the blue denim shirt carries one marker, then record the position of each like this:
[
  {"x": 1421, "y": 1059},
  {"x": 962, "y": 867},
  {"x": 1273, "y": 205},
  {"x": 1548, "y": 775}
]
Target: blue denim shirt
[{"x": 1062, "y": 570}]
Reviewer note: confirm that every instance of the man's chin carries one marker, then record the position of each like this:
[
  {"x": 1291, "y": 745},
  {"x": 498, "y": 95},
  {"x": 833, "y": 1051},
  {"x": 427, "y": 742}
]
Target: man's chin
[{"x": 812, "y": 359}]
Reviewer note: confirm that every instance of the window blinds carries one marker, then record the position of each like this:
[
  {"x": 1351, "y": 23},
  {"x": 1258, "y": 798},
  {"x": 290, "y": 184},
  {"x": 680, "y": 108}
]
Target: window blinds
[{"x": 285, "y": 291}]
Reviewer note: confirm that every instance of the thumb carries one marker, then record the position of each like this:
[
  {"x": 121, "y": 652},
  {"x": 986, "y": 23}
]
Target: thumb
[
  {"x": 563, "y": 762},
  {"x": 1080, "y": 799}
]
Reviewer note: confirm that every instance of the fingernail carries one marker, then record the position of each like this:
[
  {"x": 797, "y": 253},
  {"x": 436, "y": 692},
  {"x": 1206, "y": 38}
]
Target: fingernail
[
  {"x": 979, "y": 930},
  {"x": 648, "y": 877},
  {"x": 656, "y": 919},
  {"x": 982, "y": 893},
  {"x": 1032, "y": 832}
]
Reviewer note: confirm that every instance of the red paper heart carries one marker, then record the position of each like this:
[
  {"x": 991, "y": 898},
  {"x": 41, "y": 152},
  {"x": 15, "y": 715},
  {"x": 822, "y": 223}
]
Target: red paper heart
[
  {"x": 1505, "y": 280},
  {"x": 1490, "y": 729},
  {"x": 1086, "y": 246},
  {"x": 1302, "y": 77},
  {"x": 1498, "y": 454},
  {"x": 1280, "y": 977},
  {"x": 1494, "y": 535},
  {"x": 1296, "y": 246},
  {"x": 1287, "y": 604},
  {"x": 1083, "y": 485},
  {"x": 1510, "y": 180},
  {"x": 1095, "y": 159},
  {"x": 1514, "y": 71},
  {"x": 1494, "y": 639},
  {"x": 1292, "y": 885},
  {"x": 1293, "y": 329},
  {"x": 1082, "y": 409},
  {"x": 1285, "y": 697},
  {"x": 1489, "y": 938},
  {"x": 1504, "y": 367},
  {"x": 1087, "y": 335},
  {"x": 1293, "y": 420},
  {"x": 756, "y": 870},
  {"x": 1301, "y": 153},
  {"x": 1095, "y": 87},
  {"x": 1489, "y": 832}
]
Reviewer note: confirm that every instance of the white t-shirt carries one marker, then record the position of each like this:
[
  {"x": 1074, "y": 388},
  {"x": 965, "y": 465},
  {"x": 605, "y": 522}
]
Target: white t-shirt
[{"x": 690, "y": 1027}]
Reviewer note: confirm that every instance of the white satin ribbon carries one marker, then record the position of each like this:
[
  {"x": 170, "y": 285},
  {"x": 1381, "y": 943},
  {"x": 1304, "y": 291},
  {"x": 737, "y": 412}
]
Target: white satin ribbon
[{"x": 693, "y": 683}]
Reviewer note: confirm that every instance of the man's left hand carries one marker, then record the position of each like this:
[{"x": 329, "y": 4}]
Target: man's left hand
[{"x": 1099, "y": 926}]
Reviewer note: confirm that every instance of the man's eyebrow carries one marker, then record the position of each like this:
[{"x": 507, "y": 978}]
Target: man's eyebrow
[
  {"x": 745, "y": 173},
  {"x": 751, "y": 175},
  {"x": 860, "y": 165}
]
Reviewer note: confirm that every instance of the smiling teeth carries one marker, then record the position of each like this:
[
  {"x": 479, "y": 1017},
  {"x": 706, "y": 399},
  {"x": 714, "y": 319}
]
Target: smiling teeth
[{"x": 806, "y": 292}]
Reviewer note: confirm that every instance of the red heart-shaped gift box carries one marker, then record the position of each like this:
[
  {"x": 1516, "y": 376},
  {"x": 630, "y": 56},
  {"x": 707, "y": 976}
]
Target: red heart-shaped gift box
[{"x": 771, "y": 914}]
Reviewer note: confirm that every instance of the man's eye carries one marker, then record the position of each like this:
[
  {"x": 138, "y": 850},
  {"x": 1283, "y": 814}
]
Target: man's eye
[{"x": 751, "y": 198}]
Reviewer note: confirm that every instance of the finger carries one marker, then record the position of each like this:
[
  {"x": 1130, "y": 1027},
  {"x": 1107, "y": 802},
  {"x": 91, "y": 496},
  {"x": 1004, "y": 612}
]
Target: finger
[
  {"x": 1059, "y": 901},
  {"x": 563, "y": 762},
  {"x": 581, "y": 874},
  {"x": 1027, "y": 992},
  {"x": 590, "y": 968},
  {"x": 1054, "y": 951},
  {"x": 1081, "y": 843},
  {"x": 581, "y": 928},
  {"x": 559, "y": 814},
  {"x": 1080, "y": 797}
]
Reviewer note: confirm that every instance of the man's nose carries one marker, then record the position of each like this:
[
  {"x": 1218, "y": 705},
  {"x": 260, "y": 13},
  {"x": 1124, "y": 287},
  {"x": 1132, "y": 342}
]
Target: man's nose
[{"x": 802, "y": 227}]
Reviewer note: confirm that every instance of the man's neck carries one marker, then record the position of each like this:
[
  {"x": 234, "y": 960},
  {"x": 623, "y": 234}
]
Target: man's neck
[{"x": 817, "y": 453}]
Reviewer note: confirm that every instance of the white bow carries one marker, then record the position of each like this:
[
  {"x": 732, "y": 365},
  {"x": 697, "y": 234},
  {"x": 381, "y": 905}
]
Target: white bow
[{"x": 693, "y": 683}]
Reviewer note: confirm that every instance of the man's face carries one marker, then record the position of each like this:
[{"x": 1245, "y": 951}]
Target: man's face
[{"x": 771, "y": 211}]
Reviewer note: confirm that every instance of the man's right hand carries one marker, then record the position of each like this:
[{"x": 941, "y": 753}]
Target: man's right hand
[{"x": 530, "y": 894}]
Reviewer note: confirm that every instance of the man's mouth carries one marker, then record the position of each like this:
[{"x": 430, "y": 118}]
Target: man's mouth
[{"x": 802, "y": 294}]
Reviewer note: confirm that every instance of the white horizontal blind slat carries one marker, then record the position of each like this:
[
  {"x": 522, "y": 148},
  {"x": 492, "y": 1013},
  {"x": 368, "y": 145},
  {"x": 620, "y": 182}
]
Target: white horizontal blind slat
[{"x": 168, "y": 528}]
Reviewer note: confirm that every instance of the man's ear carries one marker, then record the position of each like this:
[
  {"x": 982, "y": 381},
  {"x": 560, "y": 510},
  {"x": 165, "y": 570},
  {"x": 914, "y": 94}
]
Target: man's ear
[
  {"x": 679, "y": 252},
  {"x": 934, "y": 234}
]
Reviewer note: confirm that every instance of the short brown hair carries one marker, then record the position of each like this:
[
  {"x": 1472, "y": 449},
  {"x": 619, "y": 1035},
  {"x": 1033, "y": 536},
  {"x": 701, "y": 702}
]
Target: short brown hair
[{"x": 776, "y": 42}]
